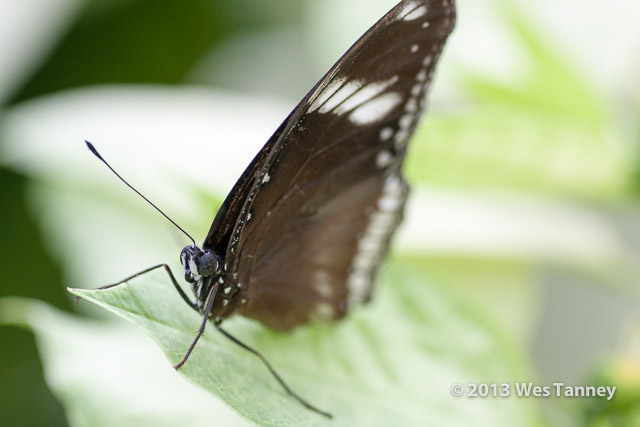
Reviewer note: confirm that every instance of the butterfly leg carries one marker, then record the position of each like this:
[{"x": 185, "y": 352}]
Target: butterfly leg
[
  {"x": 145, "y": 271},
  {"x": 273, "y": 372},
  {"x": 205, "y": 318}
]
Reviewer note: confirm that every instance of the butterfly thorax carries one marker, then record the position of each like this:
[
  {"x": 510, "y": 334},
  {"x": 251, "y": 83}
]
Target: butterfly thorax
[{"x": 204, "y": 269}]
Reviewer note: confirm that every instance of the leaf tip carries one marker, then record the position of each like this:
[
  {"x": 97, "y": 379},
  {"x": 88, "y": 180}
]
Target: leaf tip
[{"x": 79, "y": 293}]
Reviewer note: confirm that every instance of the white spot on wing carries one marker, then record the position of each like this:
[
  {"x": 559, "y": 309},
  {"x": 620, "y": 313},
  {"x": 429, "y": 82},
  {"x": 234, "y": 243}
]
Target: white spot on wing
[
  {"x": 322, "y": 284},
  {"x": 364, "y": 94},
  {"x": 337, "y": 98},
  {"x": 414, "y": 48},
  {"x": 386, "y": 133},
  {"x": 376, "y": 109},
  {"x": 384, "y": 159},
  {"x": 401, "y": 137},
  {"x": 411, "y": 106},
  {"x": 407, "y": 9},
  {"x": 323, "y": 312},
  {"x": 405, "y": 121},
  {"x": 415, "y": 14},
  {"x": 265, "y": 178},
  {"x": 326, "y": 93},
  {"x": 391, "y": 200}
]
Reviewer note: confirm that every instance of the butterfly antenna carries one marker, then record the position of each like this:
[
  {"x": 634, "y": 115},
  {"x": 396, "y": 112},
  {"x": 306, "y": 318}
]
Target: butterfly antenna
[{"x": 95, "y": 153}]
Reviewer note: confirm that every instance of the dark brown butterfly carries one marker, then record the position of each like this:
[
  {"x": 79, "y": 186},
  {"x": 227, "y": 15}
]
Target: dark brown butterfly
[{"x": 301, "y": 234}]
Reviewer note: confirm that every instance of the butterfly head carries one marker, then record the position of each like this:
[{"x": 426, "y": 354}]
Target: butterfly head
[{"x": 200, "y": 268}]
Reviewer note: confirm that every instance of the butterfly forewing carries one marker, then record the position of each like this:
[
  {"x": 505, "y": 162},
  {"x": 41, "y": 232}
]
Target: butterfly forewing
[
  {"x": 326, "y": 193},
  {"x": 225, "y": 221}
]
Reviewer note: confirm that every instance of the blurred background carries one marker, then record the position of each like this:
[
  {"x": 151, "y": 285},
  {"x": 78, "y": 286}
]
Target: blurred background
[{"x": 525, "y": 172}]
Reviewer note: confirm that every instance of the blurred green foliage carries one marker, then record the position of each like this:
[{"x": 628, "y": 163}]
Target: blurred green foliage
[
  {"x": 25, "y": 399},
  {"x": 624, "y": 410},
  {"x": 27, "y": 270},
  {"x": 549, "y": 131},
  {"x": 146, "y": 41}
]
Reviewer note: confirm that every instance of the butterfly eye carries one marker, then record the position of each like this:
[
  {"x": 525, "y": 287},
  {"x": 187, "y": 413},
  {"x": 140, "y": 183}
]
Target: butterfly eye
[
  {"x": 184, "y": 256},
  {"x": 207, "y": 264}
]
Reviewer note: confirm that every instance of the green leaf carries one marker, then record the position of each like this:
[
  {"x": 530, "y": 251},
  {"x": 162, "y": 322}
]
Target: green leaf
[{"x": 390, "y": 363}]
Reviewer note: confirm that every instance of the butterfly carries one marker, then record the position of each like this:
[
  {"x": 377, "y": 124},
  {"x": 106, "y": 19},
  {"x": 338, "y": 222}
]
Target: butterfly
[{"x": 303, "y": 231}]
